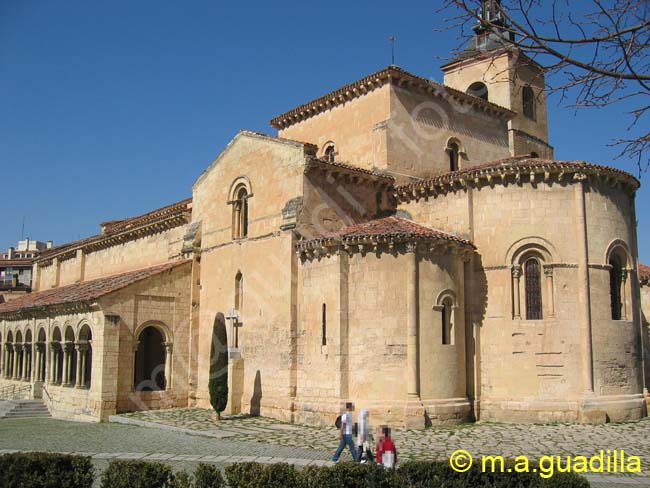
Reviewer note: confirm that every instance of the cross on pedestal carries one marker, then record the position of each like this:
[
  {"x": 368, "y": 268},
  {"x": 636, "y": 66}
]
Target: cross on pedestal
[{"x": 235, "y": 324}]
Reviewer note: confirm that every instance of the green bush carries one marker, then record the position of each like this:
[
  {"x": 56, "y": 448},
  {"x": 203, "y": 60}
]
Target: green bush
[
  {"x": 137, "y": 474},
  {"x": 45, "y": 470},
  {"x": 208, "y": 476},
  {"x": 218, "y": 381}
]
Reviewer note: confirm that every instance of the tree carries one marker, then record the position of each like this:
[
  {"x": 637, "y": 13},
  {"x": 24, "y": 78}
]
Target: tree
[
  {"x": 218, "y": 382},
  {"x": 594, "y": 52}
]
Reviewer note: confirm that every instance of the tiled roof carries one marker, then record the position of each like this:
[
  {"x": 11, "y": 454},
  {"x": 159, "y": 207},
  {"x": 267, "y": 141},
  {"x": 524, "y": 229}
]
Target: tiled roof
[
  {"x": 115, "y": 227},
  {"x": 84, "y": 291},
  {"x": 379, "y": 78},
  {"x": 520, "y": 164},
  {"x": 349, "y": 168},
  {"x": 644, "y": 274},
  {"x": 153, "y": 216},
  {"x": 395, "y": 228}
]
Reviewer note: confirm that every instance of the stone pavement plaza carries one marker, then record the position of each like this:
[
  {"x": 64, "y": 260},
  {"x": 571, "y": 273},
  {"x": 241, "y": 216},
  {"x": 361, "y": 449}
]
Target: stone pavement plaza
[{"x": 183, "y": 437}]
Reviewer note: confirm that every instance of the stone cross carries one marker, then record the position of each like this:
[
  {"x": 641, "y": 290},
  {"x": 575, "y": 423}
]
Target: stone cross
[{"x": 234, "y": 325}]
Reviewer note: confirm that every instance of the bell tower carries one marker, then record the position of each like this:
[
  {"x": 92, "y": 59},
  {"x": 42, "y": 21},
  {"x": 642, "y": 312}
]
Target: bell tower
[{"x": 492, "y": 68}]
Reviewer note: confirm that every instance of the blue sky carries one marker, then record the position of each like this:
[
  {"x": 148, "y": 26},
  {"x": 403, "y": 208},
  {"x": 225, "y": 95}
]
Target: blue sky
[{"x": 111, "y": 109}]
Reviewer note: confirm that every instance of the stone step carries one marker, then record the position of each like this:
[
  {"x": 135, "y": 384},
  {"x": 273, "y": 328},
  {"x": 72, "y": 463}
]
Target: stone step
[{"x": 23, "y": 409}]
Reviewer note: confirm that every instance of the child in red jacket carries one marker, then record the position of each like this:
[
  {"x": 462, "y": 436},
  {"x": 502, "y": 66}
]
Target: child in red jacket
[{"x": 386, "y": 451}]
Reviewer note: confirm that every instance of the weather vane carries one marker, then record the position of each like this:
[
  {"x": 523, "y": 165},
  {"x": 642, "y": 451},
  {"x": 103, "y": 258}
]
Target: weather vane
[{"x": 392, "y": 49}]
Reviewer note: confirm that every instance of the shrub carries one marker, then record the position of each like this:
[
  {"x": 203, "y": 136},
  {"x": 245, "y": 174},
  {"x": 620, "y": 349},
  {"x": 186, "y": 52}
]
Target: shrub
[
  {"x": 208, "y": 476},
  {"x": 137, "y": 474},
  {"x": 45, "y": 470},
  {"x": 218, "y": 381}
]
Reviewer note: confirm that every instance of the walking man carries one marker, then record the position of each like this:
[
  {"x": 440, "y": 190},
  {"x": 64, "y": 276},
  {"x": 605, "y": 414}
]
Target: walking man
[{"x": 345, "y": 434}]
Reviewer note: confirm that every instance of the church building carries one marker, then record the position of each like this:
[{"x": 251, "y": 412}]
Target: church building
[{"x": 410, "y": 246}]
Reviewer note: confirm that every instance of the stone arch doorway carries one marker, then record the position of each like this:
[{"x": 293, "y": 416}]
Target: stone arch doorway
[{"x": 150, "y": 360}]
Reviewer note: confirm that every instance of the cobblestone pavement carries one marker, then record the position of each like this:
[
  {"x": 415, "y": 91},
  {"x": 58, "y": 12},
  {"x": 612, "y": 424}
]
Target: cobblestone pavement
[
  {"x": 508, "y": 440},
  {"x": 185, "y": 437}
]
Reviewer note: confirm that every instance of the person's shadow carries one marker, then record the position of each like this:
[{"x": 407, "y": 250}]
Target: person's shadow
[{"x": 256, "y": 399}]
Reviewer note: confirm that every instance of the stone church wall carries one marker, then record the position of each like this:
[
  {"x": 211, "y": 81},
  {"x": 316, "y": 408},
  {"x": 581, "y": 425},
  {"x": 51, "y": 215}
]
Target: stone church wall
[
  {"x": 421, "y": 125},
  {"x": 275, "y": 172},
  {"x": 357, "y": 128},
  {"x": 162, "y": 301},
  {"x": 140, "y": 253},
  {"x": 532, "y": 369}
]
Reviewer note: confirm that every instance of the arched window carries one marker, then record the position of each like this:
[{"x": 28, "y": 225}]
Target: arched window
[
  {"x": 41, "y": 356},
  {"x": 453, "y": 151},
  {"x": 69, "y": 358},
  {"x": 240, "y": 213},
  {"x": 56, "y": 355},
  {"x": 615, "y": 287},
  {"x": 9, "y": 352},
  {"x": 533, "y": 287},
  {"x": 528, "y": 100},
  {"x": 330, "y": 153},
  {"x": 84, "y": 347},
  {"x": 27, "y": 356},
  {"x": 324, "y": 326},
  {"x": 150, "y": 361},
  {"x": 479, "y": 90},
  {"x": 447, "y": 321},
  {"x": 18, "y": 356},
  {"x": 534, "y": 155}
]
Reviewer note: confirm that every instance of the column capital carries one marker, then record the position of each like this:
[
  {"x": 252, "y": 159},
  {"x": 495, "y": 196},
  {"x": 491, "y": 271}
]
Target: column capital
[
  {"x": 516, "y": 271},
  {"x": 169, "y": 346},
  {"x": 68, "y": 346},
  {"x": 548, "y": 270}
]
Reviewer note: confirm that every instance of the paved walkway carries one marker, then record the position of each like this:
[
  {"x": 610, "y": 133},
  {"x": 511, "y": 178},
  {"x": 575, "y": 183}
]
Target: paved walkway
[{"x": 186, "y": 437}]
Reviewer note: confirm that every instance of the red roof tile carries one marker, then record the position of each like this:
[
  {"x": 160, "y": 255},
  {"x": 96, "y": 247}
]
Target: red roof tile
[
  {"x": 521, "y": 163},
  {"x": 387, "y": 227},
  {"x": 336, "y": 165},
  {"x": 644, "y": 274},
  {"x": 87, "y": 290},
  {"x": 113, "y": 227}
]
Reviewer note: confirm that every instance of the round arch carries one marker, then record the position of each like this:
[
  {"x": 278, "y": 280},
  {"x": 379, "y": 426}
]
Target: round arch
[
  {"x": 524, "y": 246},
  {"x": 236, "y": 185},
  {"x": 478, "y": 89},
  {"x": 618, "y": 247},
  {"x": 152, "y": 362}
]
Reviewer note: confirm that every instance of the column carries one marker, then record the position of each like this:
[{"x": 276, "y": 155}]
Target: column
[
  {"x": 77, "y": 374},
  {"x": 67, "y": 363},
  {"x": 83, "y": 358},
  {"x": 550, "y": 298},
  {"x": 7, "y": 370},
  {"x": 25, "y": 372},
  {"x": 52, "y": 378},
  {"x": 584, "y": 293},
  {"x": 411, "y": 322},
  {"x": 516, "y": 297},
  {"x": 17, "y": 349},
  {"x": 169, "y": 348}
]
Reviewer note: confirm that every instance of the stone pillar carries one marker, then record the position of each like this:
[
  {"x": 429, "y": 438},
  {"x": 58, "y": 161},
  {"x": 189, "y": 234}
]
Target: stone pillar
[
  {"x": 52, "y": 375},
  {"x": 17, "y": 349},
  {"x": 584, "y": 293},
  {"x": 77, "y": 381},
  {"x": 169, "y": 348},
  {"x": 67, "y": 364},
  {"x": 24, "y": 374},
  {"x": 38, "y": 370},
  {"x": 516, "y": 296},
  {"x": 548, "y": 272},
  {"x": 7, "y": 369}
]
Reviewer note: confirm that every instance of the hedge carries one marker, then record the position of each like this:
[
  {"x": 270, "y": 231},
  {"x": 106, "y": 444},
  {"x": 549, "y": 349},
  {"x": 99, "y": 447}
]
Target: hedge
[
  {"x": 414, "y": 474},
  {"x": 144, "y": 474},
  {"x": 45, "y": 470}
]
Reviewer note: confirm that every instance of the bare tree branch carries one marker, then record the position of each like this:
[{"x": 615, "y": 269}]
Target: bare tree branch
[{"x": 594, "y": 55}]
